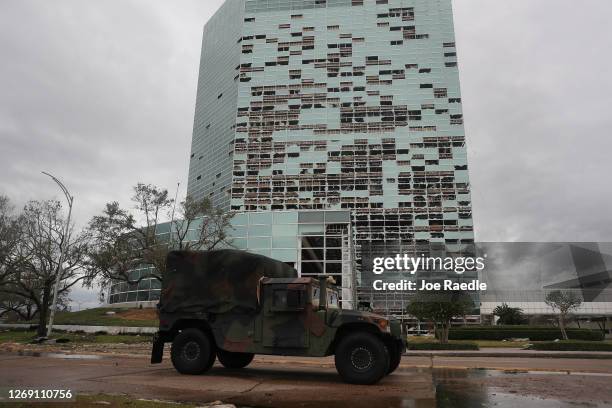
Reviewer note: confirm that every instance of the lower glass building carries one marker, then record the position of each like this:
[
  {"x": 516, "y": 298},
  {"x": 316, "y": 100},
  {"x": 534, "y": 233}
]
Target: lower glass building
[
  {"x": 147, "y": 290},
  {"x": 313, "y": 242}
]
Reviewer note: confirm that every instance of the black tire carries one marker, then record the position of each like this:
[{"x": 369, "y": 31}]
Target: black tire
[
  {"x": 234, "y": 360},
  {"x": 192, "y": 352},
  {"x": 362, "y": 358},
  {"x": 395, "y": 356}
]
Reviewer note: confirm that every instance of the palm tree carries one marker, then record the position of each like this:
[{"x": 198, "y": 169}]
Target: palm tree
[{"x": 509, "y": 315}]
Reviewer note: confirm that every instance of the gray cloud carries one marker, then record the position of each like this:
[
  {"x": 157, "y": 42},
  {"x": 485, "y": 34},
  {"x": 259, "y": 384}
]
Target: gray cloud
[
  {"x": 102, "y": 94},
  {"x": 99, "y": 93},
  {"x": 536, "y": 89}
]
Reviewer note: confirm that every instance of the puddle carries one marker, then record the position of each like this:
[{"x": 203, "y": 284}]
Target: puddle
[
  {"x": 480, "y": 388},
  {"x": 60, "y": 355},
  {"x": 464, "y": 389},
  {"x": 446, "y": 397},
  {"x": 485, "y": 372},
  {"x": 536, "y": 372}
]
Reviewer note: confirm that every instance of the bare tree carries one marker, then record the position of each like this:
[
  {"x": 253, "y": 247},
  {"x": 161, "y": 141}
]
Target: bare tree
[
  {"x": 9, "y": 239},
  {"x": 563, "y": 302},
  {"x": 22, "y": 308},
  {"x": 33, "y": 277},
  {"x": 125, "y": 240},
  {"x": 201, "y": 226}
]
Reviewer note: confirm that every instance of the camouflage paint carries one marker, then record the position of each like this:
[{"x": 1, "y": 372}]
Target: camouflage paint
[{"x": 283, "y": 316}]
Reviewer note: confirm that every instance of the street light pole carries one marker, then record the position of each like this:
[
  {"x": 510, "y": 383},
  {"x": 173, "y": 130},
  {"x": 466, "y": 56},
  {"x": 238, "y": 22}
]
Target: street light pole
[
  {"x": 63, "y": 249},
  {"x": 172, "y": 217}
]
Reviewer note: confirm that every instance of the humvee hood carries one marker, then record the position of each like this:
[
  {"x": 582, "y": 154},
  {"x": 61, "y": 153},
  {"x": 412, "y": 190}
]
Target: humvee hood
[
  {"x": 349, "y": 316},
  {"x": 216, "y": 281}
]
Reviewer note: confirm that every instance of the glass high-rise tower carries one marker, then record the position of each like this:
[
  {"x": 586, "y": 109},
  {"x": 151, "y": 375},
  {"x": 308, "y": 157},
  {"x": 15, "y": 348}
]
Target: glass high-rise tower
[
  {"x": 351, "y": 106},
  {"x": 335, "y": 104},
  {"x": 333, "y": 128}
]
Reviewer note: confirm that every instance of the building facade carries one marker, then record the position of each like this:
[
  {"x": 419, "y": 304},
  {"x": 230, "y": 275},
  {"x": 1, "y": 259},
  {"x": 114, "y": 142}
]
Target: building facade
[
  {"x": 313, "y": 242},
  {"x": 347, "y": 105},
  {"x": 338, "y": 104},
  {"x": 335, "y": 106}
]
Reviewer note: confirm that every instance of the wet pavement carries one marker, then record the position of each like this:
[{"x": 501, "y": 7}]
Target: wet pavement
[
  {"x": 498, "y": 388},
  {"x": 280, "y": 382}
]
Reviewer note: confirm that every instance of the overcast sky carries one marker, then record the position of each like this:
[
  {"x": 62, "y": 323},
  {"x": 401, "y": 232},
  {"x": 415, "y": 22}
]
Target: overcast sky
[{"x": 102, "y": 94}]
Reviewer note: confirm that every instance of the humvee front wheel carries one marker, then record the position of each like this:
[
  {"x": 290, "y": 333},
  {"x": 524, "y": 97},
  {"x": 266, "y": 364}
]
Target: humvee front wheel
[
  {"x": 234, "y": 360},
  {"x": 395, "y": 356},
  {"x": 192, "y": 352},
  {"x": 362, "y": 358}
]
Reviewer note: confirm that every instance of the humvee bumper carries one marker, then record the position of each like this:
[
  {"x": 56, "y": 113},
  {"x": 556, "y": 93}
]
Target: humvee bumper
[
  {"x": 396, "y": 332},
  {"x": 395, "y": 328}
]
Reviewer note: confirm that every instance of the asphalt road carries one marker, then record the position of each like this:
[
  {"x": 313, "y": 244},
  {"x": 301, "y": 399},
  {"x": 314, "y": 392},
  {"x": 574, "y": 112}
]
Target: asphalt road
[{"x": 299, "y": 382}]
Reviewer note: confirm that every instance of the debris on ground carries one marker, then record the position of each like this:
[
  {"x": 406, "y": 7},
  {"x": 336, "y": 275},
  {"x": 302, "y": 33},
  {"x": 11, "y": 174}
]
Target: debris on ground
[{"x": 217, "y": 404}]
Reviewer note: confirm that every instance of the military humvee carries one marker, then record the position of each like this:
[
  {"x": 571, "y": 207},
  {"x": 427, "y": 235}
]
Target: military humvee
[{"x": 231, "y": 305}]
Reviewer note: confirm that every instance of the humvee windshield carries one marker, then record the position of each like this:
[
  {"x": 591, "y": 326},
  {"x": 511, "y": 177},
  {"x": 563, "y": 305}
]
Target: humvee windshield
[{"x": 332, "y": 297}]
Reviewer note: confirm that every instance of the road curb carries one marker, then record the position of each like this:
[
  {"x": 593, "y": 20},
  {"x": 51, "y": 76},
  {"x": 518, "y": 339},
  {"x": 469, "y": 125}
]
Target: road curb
[
  {"x": 73, "y": 328},
  {"x": 521, "y": 354}
]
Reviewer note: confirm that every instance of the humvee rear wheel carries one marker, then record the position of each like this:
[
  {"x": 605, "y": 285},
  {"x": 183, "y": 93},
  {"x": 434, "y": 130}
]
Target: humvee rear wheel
[
  {"x": 234, "y": 360},
  {"x": 362, "y": 358},
  {"x": 192, "y": 352}
]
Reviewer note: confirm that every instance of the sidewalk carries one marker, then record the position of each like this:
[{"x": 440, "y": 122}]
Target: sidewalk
[
  {"x": 510, "y": 353},
  {"x": 72, "y": 328}
]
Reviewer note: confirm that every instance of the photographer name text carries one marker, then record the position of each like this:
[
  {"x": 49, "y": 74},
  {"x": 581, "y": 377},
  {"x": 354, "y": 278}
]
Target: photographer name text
[{"x": 425, "y": 286}]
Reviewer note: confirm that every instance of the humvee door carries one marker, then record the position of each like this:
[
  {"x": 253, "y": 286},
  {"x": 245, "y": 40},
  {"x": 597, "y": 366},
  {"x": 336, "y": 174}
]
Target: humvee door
[{"x": 284, "y": 315}]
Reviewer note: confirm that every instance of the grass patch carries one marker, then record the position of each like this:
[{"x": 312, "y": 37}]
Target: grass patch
[
  {"x": 23, "y": 337},
  {"x": 440, "y": 346},
  {"x": 114, "y": 401},
  {"x": 123, "y": 338},
  {"x": 16, "y": 336},
  {"x": 572, "y": 346},
  {"x": 534, "y": 333},
  {"x": 480, "y": 343},
  {"x": 98, "y": 317},
  {"x": 501, "y": 344}
]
